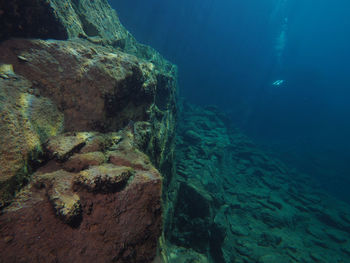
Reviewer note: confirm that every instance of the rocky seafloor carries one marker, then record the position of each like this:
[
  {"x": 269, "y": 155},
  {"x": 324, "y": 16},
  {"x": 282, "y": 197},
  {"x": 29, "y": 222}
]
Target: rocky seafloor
[
  {"x": 89, "y": 168},
  {"x": 235, "y": 203}
]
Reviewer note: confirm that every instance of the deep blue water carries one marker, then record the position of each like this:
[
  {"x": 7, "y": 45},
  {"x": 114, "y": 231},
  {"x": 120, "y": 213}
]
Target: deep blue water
[{"x": 229, "y": 52}]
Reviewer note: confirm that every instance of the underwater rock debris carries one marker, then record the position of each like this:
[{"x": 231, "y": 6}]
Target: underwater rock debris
[{"x": 235, "y": 203}]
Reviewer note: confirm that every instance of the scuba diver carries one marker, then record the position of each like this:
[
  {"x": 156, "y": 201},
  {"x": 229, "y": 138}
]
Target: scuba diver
[{"x": 280, "y": 14}]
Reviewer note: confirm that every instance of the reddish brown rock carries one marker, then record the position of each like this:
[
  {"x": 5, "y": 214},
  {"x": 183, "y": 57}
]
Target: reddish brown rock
[
  {"x": 105, "y": 213},
  {"x": 100, "y": 142},
  {"x": 61, "y": 147},
  {"x": 80, "y": 206},
  {"x": 115, "y": 227},
  {"x": 58, "y": 189},
  {"x": 82, "y": 161},
  {"x": 97, "y": 88},
  {"x": 135, "y": 159},
  {"x": 104, "y": 178}
]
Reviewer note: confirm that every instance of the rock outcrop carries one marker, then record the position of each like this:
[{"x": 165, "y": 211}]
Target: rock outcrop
[
  {"x": 89, "y": 203},
  {"x": 235, "y": 203},
  {"x": 69, "y": 19},
  {"x": 97, "y": 89},
  {"x": 87, "y": 132}
]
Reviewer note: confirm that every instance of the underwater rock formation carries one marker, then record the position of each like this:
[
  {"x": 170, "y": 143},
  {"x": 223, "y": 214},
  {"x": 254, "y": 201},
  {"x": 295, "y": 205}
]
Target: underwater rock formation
[
  {"x": 106, "y": 211},
  {"x": 87, "y": 134},
  {"x": 95, "y": 21},
  {"x": 26, "y": 122},
  {"x": 235, "y": 203},
  {"x": 96, "y": 88},
  {"x": 77, "y": 110}
]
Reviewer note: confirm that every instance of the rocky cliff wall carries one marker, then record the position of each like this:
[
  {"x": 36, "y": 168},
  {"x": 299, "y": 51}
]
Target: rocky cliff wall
[
  {"x": 81, "y": 104},
  {"x": 95, "y": 21}
]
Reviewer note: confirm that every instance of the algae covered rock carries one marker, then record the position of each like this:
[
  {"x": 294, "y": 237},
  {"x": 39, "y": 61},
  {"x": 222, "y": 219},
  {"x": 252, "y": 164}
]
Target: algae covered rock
[
  {"x": 61, "y": 147},
  {"x": 81, "y": 161},
  {"x": 110, "y": 212},
  {"x": 26, "y": 122},
  {"x": 101, "y": 89},
  {"x": 104, "y": 178},
  {"x": 72, "y": 73},
  {"x": 94, "y": 192},
  {"x": 59, "y": 191}
]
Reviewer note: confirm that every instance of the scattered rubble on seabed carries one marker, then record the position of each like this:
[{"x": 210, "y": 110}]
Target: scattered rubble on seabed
[{"x": 235, "y": 203}]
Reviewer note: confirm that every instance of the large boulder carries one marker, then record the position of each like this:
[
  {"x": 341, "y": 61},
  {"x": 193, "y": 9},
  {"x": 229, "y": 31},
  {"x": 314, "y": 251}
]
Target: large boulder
[
  {"x": 102, "y": 212},
  {"x": 97, "y": 89}
]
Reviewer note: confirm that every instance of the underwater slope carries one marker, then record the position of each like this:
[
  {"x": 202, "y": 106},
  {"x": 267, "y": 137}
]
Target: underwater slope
[
  {"x": 237, "y": 204},
  {"x": 87, "y": 131}
]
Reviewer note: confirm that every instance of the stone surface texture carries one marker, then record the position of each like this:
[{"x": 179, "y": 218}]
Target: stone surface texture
[
  {"x": 86, "y": 135},
  {"x": 109, "y": 212},
  {"x": 26, "y": 122},
  {"x": 67, "y": 19},
  {"x": 99, "y": 88},
  {"x": 87, "y": 132}
]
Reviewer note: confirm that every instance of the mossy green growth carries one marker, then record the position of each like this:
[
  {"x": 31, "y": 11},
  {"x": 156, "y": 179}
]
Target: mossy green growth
[
  {"x": 26, "y": 123},
  {"x": 9, "y": 188}
]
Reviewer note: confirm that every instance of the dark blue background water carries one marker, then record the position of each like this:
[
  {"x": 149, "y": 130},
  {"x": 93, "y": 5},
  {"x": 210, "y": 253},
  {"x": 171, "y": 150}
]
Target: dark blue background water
[{"x": 227, "y": 55}]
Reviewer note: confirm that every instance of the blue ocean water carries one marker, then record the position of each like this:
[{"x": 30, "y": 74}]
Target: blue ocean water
[{"x": 279, "y": 68}]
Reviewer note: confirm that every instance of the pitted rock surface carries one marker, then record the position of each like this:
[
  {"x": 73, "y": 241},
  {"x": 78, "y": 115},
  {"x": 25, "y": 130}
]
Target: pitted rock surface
[
  {"x": 69, "y": 66},
  {"x": 26, "y": 122},
  {"x": 112, "y": 208},
  {"x": 96, "y": 88},
  {"x": 94, "y": 20}
]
